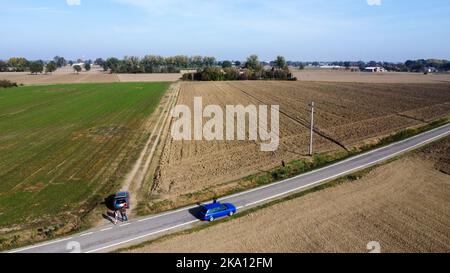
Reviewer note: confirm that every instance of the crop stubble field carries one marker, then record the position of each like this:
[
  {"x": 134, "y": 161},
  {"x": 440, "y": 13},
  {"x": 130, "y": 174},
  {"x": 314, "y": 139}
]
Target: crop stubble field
[
  {"x": 63, "y": 148},
  {"x": 348, "y": 115}
]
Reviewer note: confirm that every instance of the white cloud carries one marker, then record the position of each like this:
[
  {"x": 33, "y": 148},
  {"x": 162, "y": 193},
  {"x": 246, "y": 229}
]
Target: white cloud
[
  {"x": 374, "y": 2},
  {"x": 73, "y": 2}
]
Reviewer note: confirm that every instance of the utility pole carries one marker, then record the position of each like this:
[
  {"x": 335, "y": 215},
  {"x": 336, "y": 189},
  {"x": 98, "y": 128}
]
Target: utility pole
[{"x": 312, "y": 129}]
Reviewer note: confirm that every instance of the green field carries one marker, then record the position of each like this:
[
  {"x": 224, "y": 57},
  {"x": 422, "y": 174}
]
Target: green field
[{"x": 64, "y": 147}]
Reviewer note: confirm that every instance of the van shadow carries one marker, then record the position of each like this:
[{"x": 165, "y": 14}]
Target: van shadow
[{"x": 109, "y": 204}]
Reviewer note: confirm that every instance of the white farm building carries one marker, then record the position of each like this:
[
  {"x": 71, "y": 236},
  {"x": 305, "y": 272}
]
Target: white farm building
[{"x": 374, "y": 69}]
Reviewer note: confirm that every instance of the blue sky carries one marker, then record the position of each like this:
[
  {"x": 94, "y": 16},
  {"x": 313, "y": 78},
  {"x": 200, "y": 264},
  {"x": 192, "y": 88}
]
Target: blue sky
[{"x": 390, "y": 30}]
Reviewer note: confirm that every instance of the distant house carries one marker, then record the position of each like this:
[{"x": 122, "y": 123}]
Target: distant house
[
  {"x": 374, "y": 69},
  {"x": 427, "y": 70},
  {"x": 80, "y": 64}
]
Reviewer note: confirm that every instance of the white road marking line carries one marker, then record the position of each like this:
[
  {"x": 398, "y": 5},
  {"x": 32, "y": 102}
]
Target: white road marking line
[
  {"x": 345, "y": 172},
  {"x": 86, "y": 234},
  {"x": 142, "y": 236},
  {"x": 334, "y": 165},
  {"x": 41, "y": 245},
  {"x": 296, "y": 177},
  {"x": 125, "y": 224},
  {"x": 271, "y": 185},
  {"x": 105, "y": 229}
]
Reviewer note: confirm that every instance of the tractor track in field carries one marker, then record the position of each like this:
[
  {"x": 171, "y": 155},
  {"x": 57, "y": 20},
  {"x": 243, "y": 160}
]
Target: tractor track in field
[{"x": 135, "y": 178}]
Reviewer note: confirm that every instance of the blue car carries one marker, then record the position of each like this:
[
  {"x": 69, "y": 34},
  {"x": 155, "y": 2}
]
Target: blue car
[{"x": 210, "y": 212}]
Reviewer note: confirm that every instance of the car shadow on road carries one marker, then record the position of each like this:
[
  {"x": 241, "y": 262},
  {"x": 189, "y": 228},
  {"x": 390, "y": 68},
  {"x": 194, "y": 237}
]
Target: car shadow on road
[{"x": 195, "y": 211}]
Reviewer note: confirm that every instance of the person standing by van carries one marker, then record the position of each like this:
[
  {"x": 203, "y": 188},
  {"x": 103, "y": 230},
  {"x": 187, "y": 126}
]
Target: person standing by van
[
  {"x": 123, "y": 214},
  {"x": 116, "y": 216}
]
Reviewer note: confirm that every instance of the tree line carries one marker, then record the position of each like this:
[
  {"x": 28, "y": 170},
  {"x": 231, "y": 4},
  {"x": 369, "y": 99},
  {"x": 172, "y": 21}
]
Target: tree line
[
  {"x": 173, "y": 64},
  {"x": 20, "y": 64},
  {"x": 155, "y": 64},
  {"x": 252, "y": 69}
]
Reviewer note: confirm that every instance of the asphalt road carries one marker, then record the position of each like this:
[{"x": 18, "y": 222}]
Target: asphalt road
[{"x": 110, "y": 237}]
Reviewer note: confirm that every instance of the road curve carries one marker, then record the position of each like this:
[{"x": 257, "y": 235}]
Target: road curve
[{"x": 110, "y": 237}]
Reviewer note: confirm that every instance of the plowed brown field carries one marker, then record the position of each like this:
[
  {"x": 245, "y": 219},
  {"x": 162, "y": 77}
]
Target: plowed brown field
[{"x": 347, "y": 115}]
